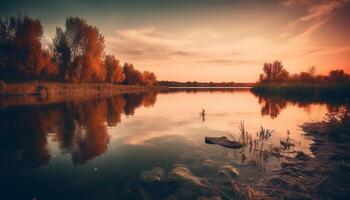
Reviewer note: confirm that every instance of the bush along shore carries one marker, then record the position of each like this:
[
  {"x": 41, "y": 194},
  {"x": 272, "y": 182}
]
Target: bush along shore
[
  {"x": 304, "y": 89},
  {"x": 276, "y": 80}
]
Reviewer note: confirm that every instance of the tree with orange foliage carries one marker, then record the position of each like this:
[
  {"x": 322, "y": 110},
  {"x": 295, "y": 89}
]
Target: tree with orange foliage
[
  {"x": 132, "y": 76},
  {"x": 22, "y": 56},
  {"x": 75, "y": 55},
  {"x": 80, "y": 50},
  {"x": 149, "y": 78},
  {"x": 114, "y": 71}
]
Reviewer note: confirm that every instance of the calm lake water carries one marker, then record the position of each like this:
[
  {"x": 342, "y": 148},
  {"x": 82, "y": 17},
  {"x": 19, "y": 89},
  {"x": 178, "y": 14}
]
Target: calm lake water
[{"x": 105, "y": 148}]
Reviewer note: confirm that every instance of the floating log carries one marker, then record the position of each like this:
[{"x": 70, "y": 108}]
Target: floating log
[{"x": 223, "y": 141}]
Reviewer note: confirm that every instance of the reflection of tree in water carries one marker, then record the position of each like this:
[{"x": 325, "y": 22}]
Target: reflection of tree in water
[
  {"x": 272, "y": 107},
  {"x": 66, "y": 127},
  {"x": 91, "y": 137},
  {"x": 149, "y": 99},
  {"x": 80, "y": 128},
  {"x": 23, "y": 137},
  {"x": 134, "y": 100},
  {"x": 115, "y": 106}
]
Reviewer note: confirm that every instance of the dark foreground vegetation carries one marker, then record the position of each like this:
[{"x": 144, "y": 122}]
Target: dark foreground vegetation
[
  {"x": 327, "y": 175},
  {"x": 76, "y": 55},
  {"x": 277, "y": 80}
]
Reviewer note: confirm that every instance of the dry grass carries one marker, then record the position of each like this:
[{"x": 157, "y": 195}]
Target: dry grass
[
  {"x": 46, "y": 92},
  {"x": 247, "y": 192},
  {"x": 63, "y": 88}
]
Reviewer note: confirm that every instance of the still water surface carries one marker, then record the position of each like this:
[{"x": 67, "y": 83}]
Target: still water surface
[{"x": 100, "y": 148}]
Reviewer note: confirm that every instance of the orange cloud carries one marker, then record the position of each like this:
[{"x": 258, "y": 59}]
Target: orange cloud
[{"x": 204, "y": 53}]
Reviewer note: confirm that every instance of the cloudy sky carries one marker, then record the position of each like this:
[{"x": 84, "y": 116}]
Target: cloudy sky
[{"x": 209, "y": 40}]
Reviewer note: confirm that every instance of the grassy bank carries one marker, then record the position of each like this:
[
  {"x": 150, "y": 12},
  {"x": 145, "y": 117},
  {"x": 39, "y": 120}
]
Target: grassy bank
[
  {"x": 12, "y": 94},
  {"x": 59, "y": 89},
  {"x": 304, "y": 89}
]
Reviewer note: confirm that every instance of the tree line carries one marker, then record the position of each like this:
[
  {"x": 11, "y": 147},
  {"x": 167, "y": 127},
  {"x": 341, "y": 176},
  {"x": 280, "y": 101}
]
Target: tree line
[
  {"x": 276, "y": 73},
  {"x": 202, "y": 84},
  {"x": 75, "y": 55}
]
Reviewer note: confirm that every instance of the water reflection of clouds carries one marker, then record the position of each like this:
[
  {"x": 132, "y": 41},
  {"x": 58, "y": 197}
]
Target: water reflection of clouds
[
  {"x": 84, "y": 129},
  {"x": 120, "y": 138},
  {"x": 143, "y": 128},
  {"x": 219, "y": 114}
]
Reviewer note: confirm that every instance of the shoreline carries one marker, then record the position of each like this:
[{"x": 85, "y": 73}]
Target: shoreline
[
  {"x": 233, "y": 87},
  {"x": 326, "y": 176},
  {"x": 39, "y": 93},
  {"x": 303, "y": 89}
]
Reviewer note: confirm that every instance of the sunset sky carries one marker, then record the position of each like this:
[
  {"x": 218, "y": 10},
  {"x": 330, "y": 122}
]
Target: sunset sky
[{"x": 209, "y": 40}]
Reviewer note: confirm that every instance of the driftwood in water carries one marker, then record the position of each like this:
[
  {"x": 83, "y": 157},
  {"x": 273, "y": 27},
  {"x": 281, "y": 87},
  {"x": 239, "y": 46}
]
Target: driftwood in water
[{"x": 223, "y": 141}]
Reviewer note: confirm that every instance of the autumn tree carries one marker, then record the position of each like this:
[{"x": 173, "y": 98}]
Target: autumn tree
[
  {"x": 75, "y": 55},
  {"x": 149, "y": 78},
  {"x": 79, "y": 51},
  {"x": 114, "y": 73},
  {"x": 62, "y": 54},
  {"x": 132, "y": 76},
  {"x": 22, "y": 56},
  {"x": 274, "y": 72}
]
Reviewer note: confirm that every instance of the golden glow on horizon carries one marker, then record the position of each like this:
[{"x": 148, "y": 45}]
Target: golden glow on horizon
[
  {"x": 235, "y": 49},
  {"x": 223, "y": 40},
  {"x": 207, "y": 40}
]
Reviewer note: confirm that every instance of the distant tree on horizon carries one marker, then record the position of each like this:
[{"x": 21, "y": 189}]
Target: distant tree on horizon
[{"x": 274, "y": 72}]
